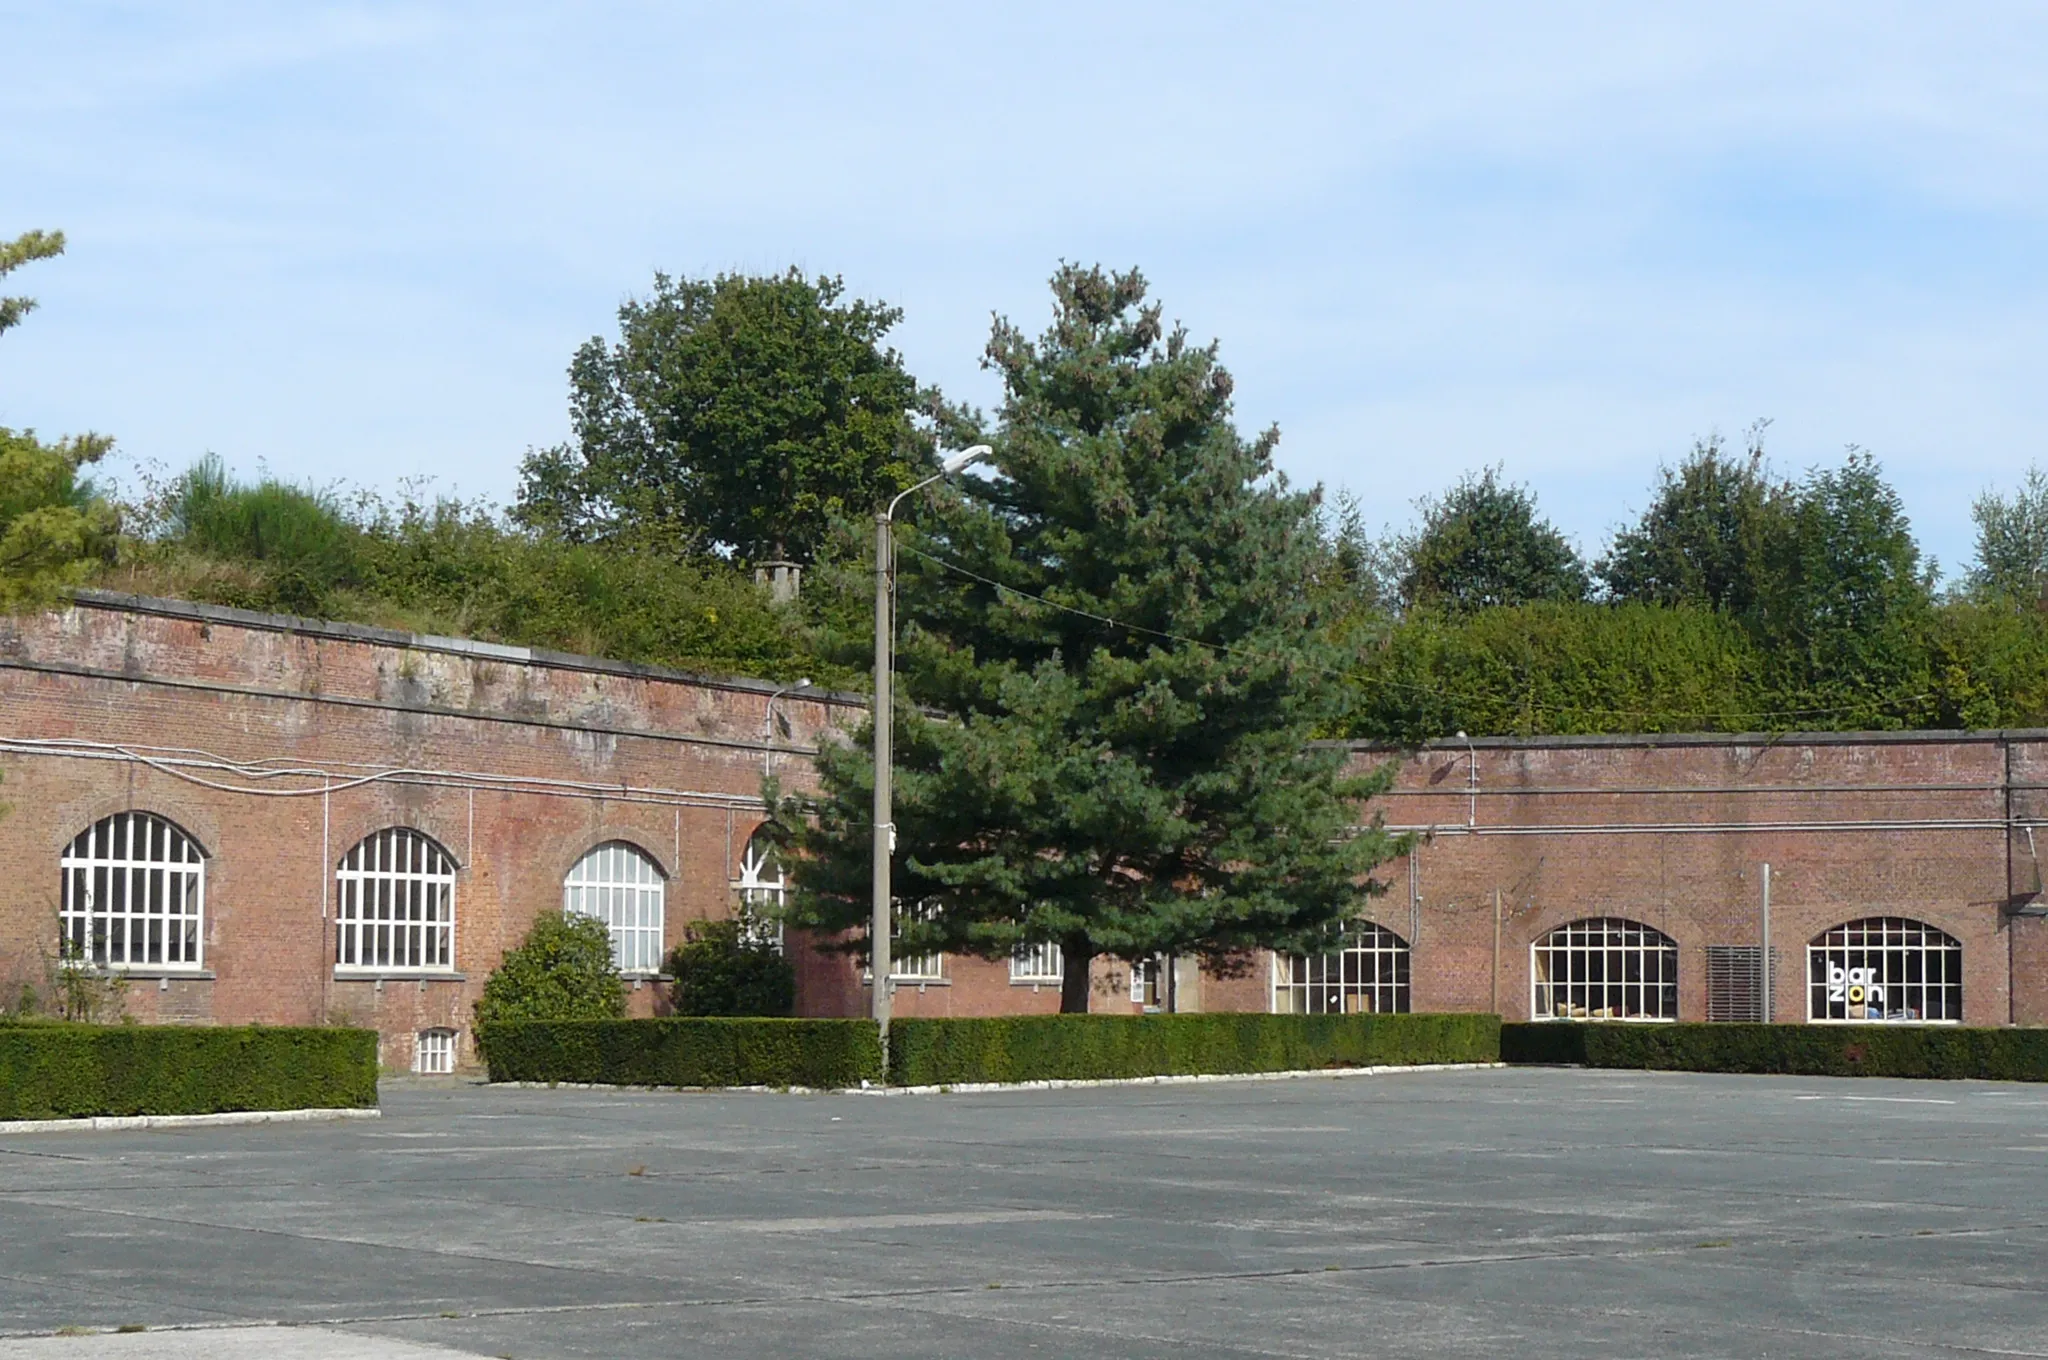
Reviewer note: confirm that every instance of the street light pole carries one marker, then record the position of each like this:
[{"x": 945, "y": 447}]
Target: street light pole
[{"x": 885, "y": 816}]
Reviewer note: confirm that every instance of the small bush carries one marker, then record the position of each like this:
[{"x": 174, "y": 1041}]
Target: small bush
[
  {"x": 720, "y": 969},
  {"x": 562, "y": 971},
  {"x": 1795, "y": 1050},
  {"x": 1090, "y": 1047},
  {"x": 57, "y": 1070},
  {"x": 684, "y": 1052}
]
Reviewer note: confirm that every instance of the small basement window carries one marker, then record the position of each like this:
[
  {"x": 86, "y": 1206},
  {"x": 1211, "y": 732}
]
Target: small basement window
[{"x": 433, "y": 1052}]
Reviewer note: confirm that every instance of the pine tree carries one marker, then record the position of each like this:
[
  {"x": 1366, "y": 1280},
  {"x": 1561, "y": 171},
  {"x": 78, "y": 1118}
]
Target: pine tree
[{"x": 1112, "y": 670}]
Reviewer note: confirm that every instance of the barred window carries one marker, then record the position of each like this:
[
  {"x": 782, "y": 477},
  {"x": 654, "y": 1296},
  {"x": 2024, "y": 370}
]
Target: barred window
[
  {"x": 134, "y": 894},
  {"x": 1038, "y": 964},
  {"x": 433, "y": 1052},
  {"x": 1885, "y": 969},
  {"x": 1604, "y": 968},
  {"x": 914, "y": 967},
  {"x": 395, "y": 904},
  {"x": 619, "y": 885},
  {"x": 761, "y": 892},
  {"x": 1367, "y": 971}
]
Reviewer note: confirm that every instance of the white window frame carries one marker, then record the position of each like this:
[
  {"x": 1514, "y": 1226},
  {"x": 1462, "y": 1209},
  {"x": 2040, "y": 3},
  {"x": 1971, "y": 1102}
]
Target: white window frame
[
  {"x": 1150, "y": 975},
  {"x": 1892, "y": 944},
  {"x": 619, "y": 884},
  {"x": 134, "y": 896},
  {"x": 760, "y": 893},
  {"x": 1617, "y": 944},
  {"x": 394, "y": 906},
  {"x": 1040, "y": 963},
  {"x": 917, "y": 967},
  {"x": 1368, "y": 973},
  {"x": 433, "y": 1052}
]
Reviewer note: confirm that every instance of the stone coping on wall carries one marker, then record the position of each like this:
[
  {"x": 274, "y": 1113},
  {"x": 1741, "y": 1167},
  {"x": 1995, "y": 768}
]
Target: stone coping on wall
[
  {"x": 120, "y": 602},
  {"x": 1652, "y": 740}
]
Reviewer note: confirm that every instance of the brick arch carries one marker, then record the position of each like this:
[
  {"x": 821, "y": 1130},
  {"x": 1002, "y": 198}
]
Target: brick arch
[
  {"x": 582, "y": 845},
  {"x": 195, "y": 822},
  {"x": 341, "y": 843}
]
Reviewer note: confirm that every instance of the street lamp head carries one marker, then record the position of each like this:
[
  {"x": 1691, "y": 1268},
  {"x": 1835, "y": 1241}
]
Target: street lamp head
[
  {"x": 1462, "y": 736},
  {"x": 966, "y": 458}
]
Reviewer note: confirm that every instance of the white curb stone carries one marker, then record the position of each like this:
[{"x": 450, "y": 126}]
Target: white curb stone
[{"x": 106, "y": 1123}]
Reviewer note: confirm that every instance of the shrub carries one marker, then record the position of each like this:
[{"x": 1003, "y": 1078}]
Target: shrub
[
  {"x": 721, "y": 970},
  {"x": 562, "y": 971},
  {"x": 684, "y": 1052},
  {"x": 1087, "y": 1047},
  {"x": 1800, "y": 1050},
  {"x": 57, "y": 1070}
]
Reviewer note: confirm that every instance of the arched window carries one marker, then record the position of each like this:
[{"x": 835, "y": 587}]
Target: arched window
[
  {"x": 1367, "y": 971},
  {"x": 1604, "y": 968},
  {"x": 1886, "y": 969},
  {"x": 622, "y": 887},
  {"x": 134, "y": 894},
  {"x": 394, "y": 904},
  {"x": 761, "y": 891}
]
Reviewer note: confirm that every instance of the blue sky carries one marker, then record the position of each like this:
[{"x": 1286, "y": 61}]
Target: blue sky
[{"x": 360, "y": 242}]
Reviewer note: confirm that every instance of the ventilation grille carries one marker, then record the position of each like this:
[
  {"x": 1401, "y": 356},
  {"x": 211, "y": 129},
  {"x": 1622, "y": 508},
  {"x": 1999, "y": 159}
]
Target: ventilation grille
[{"x": 1735, "y": 982}]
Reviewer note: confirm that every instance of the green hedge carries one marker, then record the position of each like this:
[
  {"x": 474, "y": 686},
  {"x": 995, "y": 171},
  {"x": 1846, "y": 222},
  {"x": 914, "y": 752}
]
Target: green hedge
[
  {"x": 692, "y": 1051},
  {"x": 1083, "y": 1047},
  {"x": 1802, "y": 1050},
  {"x": 50, "y": 1070}
]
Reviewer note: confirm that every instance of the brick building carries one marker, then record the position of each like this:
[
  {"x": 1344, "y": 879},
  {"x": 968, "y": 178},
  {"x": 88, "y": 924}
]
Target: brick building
[{"x": 273, "y": 819}]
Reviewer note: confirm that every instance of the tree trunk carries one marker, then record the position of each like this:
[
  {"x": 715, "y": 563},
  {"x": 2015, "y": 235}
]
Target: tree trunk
[{"x": 1075, "y": 957}]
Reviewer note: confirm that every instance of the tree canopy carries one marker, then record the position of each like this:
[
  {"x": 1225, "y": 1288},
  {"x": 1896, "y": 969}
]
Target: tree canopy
[
  {"x": 739, "y": 415},
  {"x": 1706, "y": 536},
  {"x": 24, "y": 249},
  {"x": 2011, "y": 559},
  {"x": 1482, "y": 544},
  {"x": 1110, "y": 675}
]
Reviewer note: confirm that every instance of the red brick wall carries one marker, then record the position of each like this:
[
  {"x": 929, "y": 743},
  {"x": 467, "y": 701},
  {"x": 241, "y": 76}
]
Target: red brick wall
[{"x": 518, "y": 763}]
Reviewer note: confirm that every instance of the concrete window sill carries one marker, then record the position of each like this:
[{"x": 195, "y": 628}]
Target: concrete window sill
[{"x": 398, "y": 976}]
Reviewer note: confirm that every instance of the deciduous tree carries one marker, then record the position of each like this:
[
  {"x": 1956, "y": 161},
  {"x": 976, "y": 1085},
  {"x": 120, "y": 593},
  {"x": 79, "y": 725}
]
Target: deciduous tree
[
  {"x": 739, "y": 415},
  {"x": 1481, "y": 544}
]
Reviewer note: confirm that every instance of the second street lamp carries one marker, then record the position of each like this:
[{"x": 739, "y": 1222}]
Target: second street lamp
[{"x": 885, "y": 817}]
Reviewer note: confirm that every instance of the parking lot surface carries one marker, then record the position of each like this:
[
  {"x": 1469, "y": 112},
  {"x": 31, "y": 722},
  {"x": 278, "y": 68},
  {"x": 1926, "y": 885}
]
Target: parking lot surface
[{"x": 1525, "y": 1213}]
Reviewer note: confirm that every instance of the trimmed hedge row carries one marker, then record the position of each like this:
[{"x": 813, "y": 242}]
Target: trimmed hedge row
[
  {"x": 1796, "y": 1050},
  {"x": 51, "y": 1070},
  {"x": 684, "y": 1051},
  {"x": 1082, "y": 1047}
]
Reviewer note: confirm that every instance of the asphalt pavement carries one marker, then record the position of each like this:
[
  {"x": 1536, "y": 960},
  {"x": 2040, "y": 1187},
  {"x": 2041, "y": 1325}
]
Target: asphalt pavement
[{"x": 1528, "y": 1213}]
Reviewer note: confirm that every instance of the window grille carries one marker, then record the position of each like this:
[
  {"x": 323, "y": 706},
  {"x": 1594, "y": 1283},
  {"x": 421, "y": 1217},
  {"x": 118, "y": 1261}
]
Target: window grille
[
  {"x": 915, "y": 967},
  {"x": 1368, "y": 971},
  {"x": 1604, "y": 968},
  {"x": 433, "y": 1052},
  {"x": 760, "y": 893},
  {"x": 619, "y": 885},
  {"x": 1038, "y": 964},
  {"x": 395, "y": 904},
  {"x": 1735, "y": 983},
  {"x": 134, "y": 894},
  {"x": 1885, "y": 969}
]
